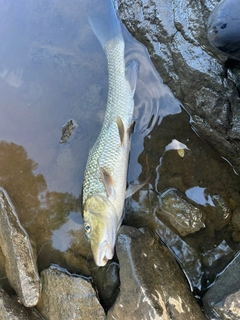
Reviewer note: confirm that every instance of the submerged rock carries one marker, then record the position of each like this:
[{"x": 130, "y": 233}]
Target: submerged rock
[
  {"x": 11, "y": 309},
  {"x": 106, "y": 279},
  {"x": 200, "y": 268},
  {"x": 182, "y": 215},
  {"x": 65, "y": 296},
  {"x": 67, "y": 131},
  {"x": 222, "y": 301},
  {"x": 21, "y": 268},
  {"x": 224, "y": 28},
  {"x": 175, "y": 34},
  {"x": 236, "y": 224},
  {"x": 152, "y": 284}
]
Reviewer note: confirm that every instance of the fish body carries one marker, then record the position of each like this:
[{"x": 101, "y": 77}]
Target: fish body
[{"x": 104, "y": 185}]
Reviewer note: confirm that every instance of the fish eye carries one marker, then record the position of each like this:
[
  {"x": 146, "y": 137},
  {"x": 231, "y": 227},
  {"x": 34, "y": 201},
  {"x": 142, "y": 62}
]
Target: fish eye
[{"x": 87, "y": 227}]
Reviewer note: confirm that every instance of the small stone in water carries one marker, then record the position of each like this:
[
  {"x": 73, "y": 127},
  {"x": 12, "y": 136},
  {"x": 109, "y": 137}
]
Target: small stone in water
[
  {"x": 67, "y": 130},
  {"x": 183, "y": 216}
]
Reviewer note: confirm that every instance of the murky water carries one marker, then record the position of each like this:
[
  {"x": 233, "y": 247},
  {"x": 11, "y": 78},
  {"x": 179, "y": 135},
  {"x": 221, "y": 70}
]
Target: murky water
[{"x": 52, "y": 70}]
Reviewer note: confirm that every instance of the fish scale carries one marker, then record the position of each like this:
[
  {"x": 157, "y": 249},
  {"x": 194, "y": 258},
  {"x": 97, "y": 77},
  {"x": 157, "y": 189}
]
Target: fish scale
[{"x": 107, "y": 151}]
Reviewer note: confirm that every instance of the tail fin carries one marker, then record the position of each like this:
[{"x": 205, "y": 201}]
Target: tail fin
[{"x": 106, "y": 28}]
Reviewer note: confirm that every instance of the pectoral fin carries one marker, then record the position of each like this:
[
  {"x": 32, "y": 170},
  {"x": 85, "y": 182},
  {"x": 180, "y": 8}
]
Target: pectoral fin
[
  {"x": 107, "y": 182},
  {"x": 120, "y": 129}
]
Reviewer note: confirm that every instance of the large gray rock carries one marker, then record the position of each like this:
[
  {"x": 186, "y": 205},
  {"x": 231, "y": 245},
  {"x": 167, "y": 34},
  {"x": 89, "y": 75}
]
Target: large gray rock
[
  {"x": 174, "y": 31},
  {"x": 222, "y": 301},
  {"x": 66, "y": 297},
  {"x": 11, "y": 309},
  {"x": 20, "y": 263},
  {"x": 152, "y": 284}
]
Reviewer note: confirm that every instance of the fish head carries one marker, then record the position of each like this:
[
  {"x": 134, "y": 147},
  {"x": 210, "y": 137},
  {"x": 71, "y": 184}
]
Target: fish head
[{"x": 101, "y": 226}]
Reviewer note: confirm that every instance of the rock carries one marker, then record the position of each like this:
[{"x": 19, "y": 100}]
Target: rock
[
  {"x": 67, "y": 130},
  {"x": 175, "y": 34},
  {"x": 200, "y": 267},
  {"x": 11, "y": 309},
  {"x": 21, "y": 268},
  {"x": 152, "y": 284},
  {"x": 139, "y": 212},
  {"x": 224, "y": 28},
  {"x": 222, "y": 301},
  {"x": 182, "y": 215},
  {"x": 67, "y": 297},
  {"x": 106, "y": 279},
  {"x": 236, "y": 224}
]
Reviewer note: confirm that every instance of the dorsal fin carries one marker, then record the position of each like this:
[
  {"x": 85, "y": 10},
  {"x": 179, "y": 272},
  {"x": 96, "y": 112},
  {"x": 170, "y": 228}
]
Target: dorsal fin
[
  {"x": 107, "y": 182},
  {"x": 120, "y": 129}
]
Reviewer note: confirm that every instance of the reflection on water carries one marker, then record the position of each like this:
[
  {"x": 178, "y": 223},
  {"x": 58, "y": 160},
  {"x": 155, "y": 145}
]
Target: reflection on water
[
  {"x": 198, "y": 195},
  {"x": 52, "y": 70}
]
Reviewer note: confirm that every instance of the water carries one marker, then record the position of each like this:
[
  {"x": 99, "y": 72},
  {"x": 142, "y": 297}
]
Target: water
[{"x": 52, "y": 70}]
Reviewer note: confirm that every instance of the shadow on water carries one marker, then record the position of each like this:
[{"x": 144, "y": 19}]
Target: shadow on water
[{"x": 52, "y": 69}]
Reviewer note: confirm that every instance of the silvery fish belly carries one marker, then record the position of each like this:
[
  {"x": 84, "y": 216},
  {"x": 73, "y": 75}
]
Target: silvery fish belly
[{"x": 104, "y": 185}]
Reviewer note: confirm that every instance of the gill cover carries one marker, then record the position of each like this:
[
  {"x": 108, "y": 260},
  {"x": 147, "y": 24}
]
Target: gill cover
[{"x": 101, "y": 226}]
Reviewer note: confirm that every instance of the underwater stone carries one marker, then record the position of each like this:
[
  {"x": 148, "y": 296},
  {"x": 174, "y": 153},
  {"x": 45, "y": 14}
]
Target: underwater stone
[
  {"x": 152, "y": 283},
  {"x": 235, "y": 221},
  {"x": 21, "y": 268},
  {"x": 182, "y": 215},
  {"x": 106, "y": 279},
  {"x": 65, "y": 297},
  {"x": 67, "y": 131},
  {"x": 224, "y": 28},
  {"x": 222, "y": 301}
]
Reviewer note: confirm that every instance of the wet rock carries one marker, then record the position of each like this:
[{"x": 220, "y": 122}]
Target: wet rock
[
  {"x": 175, "y": 34},
  {"x": 182, "y": 215},
  {"x": 222, "y": 301},
  {"x": 65, "y": 297},
  {"x": 152, "y": 284},
  {"x": 236, "y": 224},
  {"x": 20, "y": 264},
  {"x": 221, "y": 206},
  {"x": 11, "y": 309},
  {"x": 106, "y": 279},
  {"x": 139, "y": 210},
  {"x": 200, "y": 267},
  {"x": 67, "y": 131},
  {"x": 224, "y": 28}
]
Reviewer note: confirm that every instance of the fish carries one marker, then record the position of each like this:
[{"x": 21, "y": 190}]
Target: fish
[{"x": 105, "y": 179}]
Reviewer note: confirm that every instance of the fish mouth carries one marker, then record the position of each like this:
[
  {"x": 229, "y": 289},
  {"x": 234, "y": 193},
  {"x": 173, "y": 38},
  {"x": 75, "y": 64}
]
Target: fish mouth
[{"x": 106, "y": 253}]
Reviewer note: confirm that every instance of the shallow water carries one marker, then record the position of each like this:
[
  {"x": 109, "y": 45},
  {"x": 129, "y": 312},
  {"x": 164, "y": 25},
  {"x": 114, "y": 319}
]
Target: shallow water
[{"x": 52, "y": 69}]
